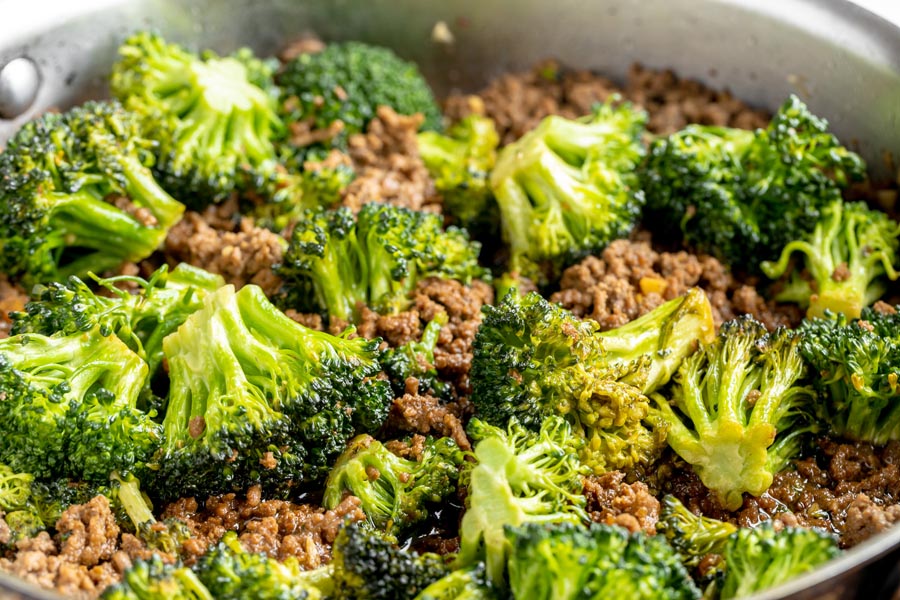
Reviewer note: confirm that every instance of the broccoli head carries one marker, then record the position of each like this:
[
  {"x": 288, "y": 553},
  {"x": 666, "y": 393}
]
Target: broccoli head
[
  {"x": 737, "y": 407},
  {"x": 857, "y": 368},
  {"x": 393, "y": 491},
  {"x": 519, "y": 477},
  {"x": 416, "y": 359},
  {"x": 760, "y": 558},
  {"x": 533, "y": 359},
  {"x": 851, "y": 248},
  {"x": 215, "y": 118},
  {"x": 460, "y": 163},
  {"x": 568, "y": 188},
  {"x": 76, "y": 195},
  {"x": 336, "y": 262},
  {"x": 463, "y": 584},
  {"x": 346, "y": 82},
  {"x": 740, "y": 195},
  {"x": 255, "y": 397},
  {"x": 693, "y": 536},
  {"x": 16, "y": 505},
  {"x": 562, "y": 561},
  {"x": 153, "y": 579},
  {"x": 369, "y": 566}
]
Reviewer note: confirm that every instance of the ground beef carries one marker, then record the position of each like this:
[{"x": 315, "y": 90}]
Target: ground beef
[
  {"x": 12, "y": 298},
  {"x": 518, "y": 102},
  {"x": 388, "y": 166},
  {"x": 426, "y": 415},
  {"x": 277, "y": 528},
  {"x": 630, "y": 278},
  {"x": 612, "y": 501},
  {"x": 234, "y": 248}
]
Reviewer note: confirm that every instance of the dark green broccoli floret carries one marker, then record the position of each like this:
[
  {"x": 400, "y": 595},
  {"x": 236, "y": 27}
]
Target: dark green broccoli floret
[
  {"x": 154, "y": 579},
  {"x": 743, "y": 195},
  {"x": 460, "y": 163},
  {"x": 347, "y": 82},
  {"x": 464, "y": 584},
  {"x": 68, "y": 406},
  {"x": 844, "y": 258},
  {"x": 693, "y": 536},
  {"x": 856, "y": 369},
  {"x": 393, "y": 491},
  {"x": 368, "y": 566},
  {"x": 257, "y": 398},
  {"x": 736, "y": 408},
  {"x": 563, "y": 561},
  {"x": 532, "y": 359},
  {"x": 231, "y": 573},
  {"x": 76, "y": 196},
  {"x": 335, "y": 263},
  {"x": 215, "y": 118},
  {"x": 760, "y": 558},
  {"x": 520, "y": 477},
  {"x": 416, "y": 359},
  {"x": 568, "y": 188}
]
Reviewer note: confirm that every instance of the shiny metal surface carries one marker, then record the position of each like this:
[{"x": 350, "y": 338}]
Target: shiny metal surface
[
  {"x": 19, "y": 84},
  {"x": 842, "y": 59}
]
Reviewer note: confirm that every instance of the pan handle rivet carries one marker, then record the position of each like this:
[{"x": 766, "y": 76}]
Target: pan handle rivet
[{"x": 19, "y": 84}]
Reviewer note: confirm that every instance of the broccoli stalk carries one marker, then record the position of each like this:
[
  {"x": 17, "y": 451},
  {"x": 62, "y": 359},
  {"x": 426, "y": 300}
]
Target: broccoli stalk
[
  {"x": 532, "y": 359},
  {"x": 693, "y": 536},
  {"x": 520, "y": 477},
  {"x": 393, "y": 491},
  {"x": 258, "y": 398},
  {"x": 850, "y": 249},
  {"x": 77, "y": 196},
  {"x": 567, "y": 188},
  {"x": 739, "y": 404}
]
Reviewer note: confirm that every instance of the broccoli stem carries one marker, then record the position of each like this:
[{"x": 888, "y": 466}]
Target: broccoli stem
[
  {"x": 132, "y": 500},
  {"x": 144, "y": 191}
]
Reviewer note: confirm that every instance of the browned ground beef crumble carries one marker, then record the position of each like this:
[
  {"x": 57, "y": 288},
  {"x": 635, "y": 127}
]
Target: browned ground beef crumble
[{"x": 851, "y": 489}]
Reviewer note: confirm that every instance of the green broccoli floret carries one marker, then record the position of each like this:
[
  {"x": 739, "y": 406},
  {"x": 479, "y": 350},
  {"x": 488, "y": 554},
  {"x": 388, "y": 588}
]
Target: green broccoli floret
[
  {"x": 76, "y": 195},
  {"x": 520, "y": 477},
  {"x": 215, "y": 118},
  {"x": 562, "y": 561},
  {"x": 134, "y": 513},
  {"x": 16, "y": 507},
  {"x": 257, "y": 398},
  {"x": 416, "y": 359},
  {"x": 231, "y": 573},
  {"x": 141, "y": 319},
  {"x": 737, "y": 406},
  {"x": 154, "y": 579},
  {"x": 761, "y": 558},
  {"x": 460, "y": 163},
  {"x": 741, "y": 195},
  {"x": 368, "y": 566},
  {"x": 464, "y": 584},
  {"x": 68, "y": 406},
  {"x": 851, "y": 248},
  {"x": 347, "y": 82},
  {"x": 856, "y": 364},
  {"x": 532, "y": 359},
  {"x": 393, "y": 491},
  {"x": 568, "y": 188},
  {"x": 335, "y": 263},
  {"x": 693, "y": 536}
]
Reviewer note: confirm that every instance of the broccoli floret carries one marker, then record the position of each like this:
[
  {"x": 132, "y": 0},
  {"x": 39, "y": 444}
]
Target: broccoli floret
[
  {"x": 257, "y": 398},
  {"x": 347, "y": 82},
  {"x": 520, "y": 477},
  {"x": 393, "y": 491},
  {"x": 335, "y": 262},
  {"x": 851, "y": 248},
  {"x": 416, "y": 359},
  {"x": 15, "y": 489},
  {"x": 460, "y": 163},
  {"x": 568, "y": 188},
  {"x": 857, "y": 368},
  {"x": 231, "y": 573},
  {"x": 368, "y": 566},
  {"x": 693, "y": 536},
  {"x": 741, "y": 195},
  {"x": 760, "y": 558},
  {"x": 215, "y": 118},
  {"x": 76, "y": 195},
  {"x": 68, "y": 406},
  {"x": 737, "y": 406},
  {"x": 464, "y": 584},
  {"x": 532, "y": 359},
  {"x": 154, "y": 579},
  {"x": 564, "y": 561}
]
